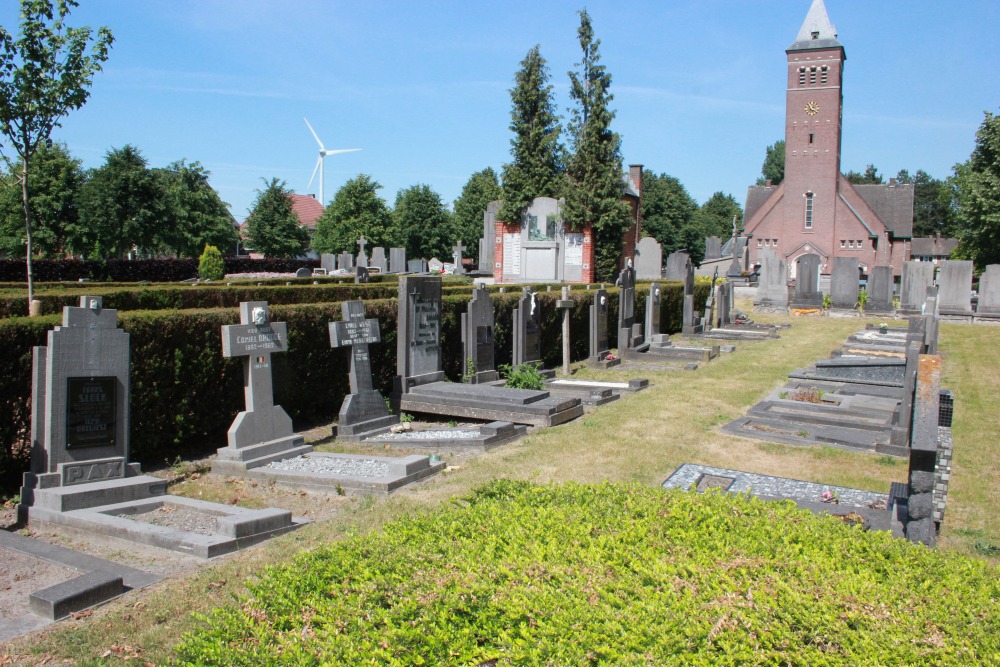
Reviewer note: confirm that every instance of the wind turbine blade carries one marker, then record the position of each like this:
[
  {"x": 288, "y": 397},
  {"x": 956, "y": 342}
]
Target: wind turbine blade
[
  {"x": 341, "y": 150},
  {"x": 315, "y": 136},
  {"x": 315, "y": 171}
]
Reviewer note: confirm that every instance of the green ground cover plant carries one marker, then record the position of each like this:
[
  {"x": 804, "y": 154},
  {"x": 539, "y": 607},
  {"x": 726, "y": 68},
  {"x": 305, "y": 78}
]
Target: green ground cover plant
[{"x": 611, "y": 574}]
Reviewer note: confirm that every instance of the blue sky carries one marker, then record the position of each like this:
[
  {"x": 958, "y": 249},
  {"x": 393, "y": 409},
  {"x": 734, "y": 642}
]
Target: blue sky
[{"x": 423, "y": 87}]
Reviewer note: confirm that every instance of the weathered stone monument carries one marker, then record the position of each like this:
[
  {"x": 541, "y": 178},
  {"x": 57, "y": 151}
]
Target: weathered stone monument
[
  {"x": 456, "y": 257},
  {"x": 397, "y": 260},
  {"x": 378, "y": 260},
  {"x": 478, "y": 327},
  {"x": 807, "y": 294},
  {"x": 989, "y": 293},
  {"x": 629, "y": 333},
  {"x": 917, "y": 277},
  {"x": 955, "y": 289},
  {"x": 527, "y": 330},
  {"x": 487, "y": 244},
  {"x": 920, "y": 526},
  {"x": 772, "y": 286},
  {"x": 678, "y": 266},
  {"x": 653, "y": 300},
  {"x": 844, "y": 283},
  {"x": 600, "y": 345},
  {"x": 364, "y": 411},
  {"x": 345, "y": 261},
  {"x": 880, "y": 296},
  {"x": 328, "y": 262},
  {"x": 360, "y": 275},
  {"x": 263, "y": 432},
  {"x": 693, "y": 321},
  {"x": 435, "y": 265},
  {"x": 565, "y": 304},
  {"x": 420, "y": 384},
  {"x": 416, "y": 266},
  {"x": 362, "y": 259},
  {"x": 713, "y": 247},
  {"x": 80, "y": 475},
  {"x": 648, "y": 259}
]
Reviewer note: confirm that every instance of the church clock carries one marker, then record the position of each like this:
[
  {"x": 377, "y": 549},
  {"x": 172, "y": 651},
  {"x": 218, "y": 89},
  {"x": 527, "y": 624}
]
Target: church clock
[{"x": 811, "y": 108}]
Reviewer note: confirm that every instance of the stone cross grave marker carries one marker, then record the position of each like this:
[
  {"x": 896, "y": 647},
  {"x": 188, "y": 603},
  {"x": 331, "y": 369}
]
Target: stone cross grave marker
[
  {"x": 378, "y": 259},
  {"x": 363, "y": 411},
  {"x": 418, "y": 342},
  {"x": 255, "y": 339},
  {"x": 457, "y": 257},
  {"x": 80, "y": 397},
  {"x": 626, "y": 309},
  {"x": 362, "y": 257},
  {"x": 566, "y": 305},
  {"x": 527, "y": 330},
  {"x": 478, "y": 326},
  {"x": 710, "y": 302}
]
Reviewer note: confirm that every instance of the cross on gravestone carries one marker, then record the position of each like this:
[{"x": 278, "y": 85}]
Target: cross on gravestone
[
  {"x": 363, "y": 411},
  {"x": 362, "y": 257},
  {"x": 457, "y": 257},
  {"x": 565, "y": 304},
  {"x": 255, "y": 339}
]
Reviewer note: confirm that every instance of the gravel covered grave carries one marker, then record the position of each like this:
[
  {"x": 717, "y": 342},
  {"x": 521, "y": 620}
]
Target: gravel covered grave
[{"x": 331, "y": 465}]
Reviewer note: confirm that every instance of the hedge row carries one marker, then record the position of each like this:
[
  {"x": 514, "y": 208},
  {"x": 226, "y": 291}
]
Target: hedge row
[
  {"x": 185, "y": 394},
  {"x": 124, "y": 270},
  {"x": 610, "y": 574}
]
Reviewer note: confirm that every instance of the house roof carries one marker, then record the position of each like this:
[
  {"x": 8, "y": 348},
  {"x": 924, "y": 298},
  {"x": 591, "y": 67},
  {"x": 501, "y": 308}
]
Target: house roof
[
  {"x": 893, "y": 204},
  {"x": 307, "y": 208},
  {"x": 817, "y": 32},
  {"x": 934, "y": 246},
  {"x": 756, "y": 196}
]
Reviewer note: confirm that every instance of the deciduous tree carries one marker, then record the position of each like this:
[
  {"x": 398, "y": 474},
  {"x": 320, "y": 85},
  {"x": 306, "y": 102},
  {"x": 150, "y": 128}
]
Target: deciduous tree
[
  {"x": 773, "y": 168},
  {"x": 536, "y": 170},
  {"x": 193, "y": 213},
  {"x": 44, "y": 74},
  {"x": 273, "y": 228},
  {"x": 932, "y": 206},
  {"x": 668, "y": 212},
  {"x": 467, "y": 219},
  {"x": 870, "y": 176},
  {"x": 594, "y": 171},
  {"x": 356, "y": 210},
  {"x": 977, "y": 193},
  {"x": 423, "y": 224}
]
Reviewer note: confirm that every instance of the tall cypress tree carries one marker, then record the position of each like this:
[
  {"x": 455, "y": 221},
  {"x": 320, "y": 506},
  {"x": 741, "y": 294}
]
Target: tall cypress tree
[
  {"x": 536, "y": 170},
  {"x": 594, "y": 172}
]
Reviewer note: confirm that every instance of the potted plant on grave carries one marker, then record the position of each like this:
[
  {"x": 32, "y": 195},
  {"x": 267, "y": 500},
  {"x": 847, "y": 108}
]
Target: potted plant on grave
[{"x": 883, "y": 328}]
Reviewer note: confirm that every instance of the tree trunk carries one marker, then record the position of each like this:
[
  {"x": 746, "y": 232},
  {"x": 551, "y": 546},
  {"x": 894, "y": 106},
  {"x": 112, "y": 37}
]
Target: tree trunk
[{"x": 27, "y": 230}]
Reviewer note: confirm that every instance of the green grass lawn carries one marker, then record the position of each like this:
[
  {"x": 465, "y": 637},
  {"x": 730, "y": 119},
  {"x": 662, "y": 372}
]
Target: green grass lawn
[{"x": 639, "y": 440}]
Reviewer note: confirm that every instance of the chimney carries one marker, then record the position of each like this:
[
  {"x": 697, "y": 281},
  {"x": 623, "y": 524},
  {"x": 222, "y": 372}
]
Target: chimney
[
  {"x": 635, "y": 175},
  {"x": 892, "y": 182},
  {"x": 768, "y": 183}
]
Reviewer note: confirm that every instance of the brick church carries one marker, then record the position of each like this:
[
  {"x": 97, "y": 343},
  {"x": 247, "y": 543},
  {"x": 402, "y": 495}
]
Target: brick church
[{"x": 815, "y": 209}]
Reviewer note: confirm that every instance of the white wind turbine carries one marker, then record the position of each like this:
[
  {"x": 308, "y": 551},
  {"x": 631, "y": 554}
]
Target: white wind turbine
[{"x": 323, "y": 152}]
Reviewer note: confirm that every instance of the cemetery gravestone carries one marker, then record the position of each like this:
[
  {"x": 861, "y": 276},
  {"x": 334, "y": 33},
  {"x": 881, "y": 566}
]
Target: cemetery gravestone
[
  {"x": 328, "y": 262},
  {"x": 600, "y": 346},
  {"x": 362, "y": 259},
  {"x": 418, "y": 345},
  {"x": 955, "y": 288},
  {"x": 416, "y": 266},
  {"x": 345, "y": 261},
  {"x": 844, "y": 283},
  {"x": 880, "y": 290},
  {"x": 713, "y": 247},
  {"x": 772, "y": 286},
  {"x": 917, "y": 277},
  {"x": 565, "y": 304},
  {"x": 397, "y": 260},
  {"x": 648, "y": 259},
  {"x": 477, "y": 338},
  {"x": 457, "y": 257},
  {"x": 487, "y": 244},
  {"x": 435, "y": 265},
  {"x": 692, "y": 320},
  {"x": 378, "y": 259},
  {"x": 807, "y": 294},
  {"x": 364, "y": 411},
  {"x": 628, "y": 333},
  {"x": 652, "y": 311},
  {"x": 263, "y": 432},
  {"x": 360, "y": 275},
  {"x": 527, "y": 330},
  {"x": 989, "y": 292},
  {"x": 678, "y": 266},
  {"x": 920, "y": 526}
]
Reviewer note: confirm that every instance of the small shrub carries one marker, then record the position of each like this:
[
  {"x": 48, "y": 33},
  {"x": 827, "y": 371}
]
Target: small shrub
[
  {"x": 405, "y": 417},
  {"x": 525, "y": 376},
  {"x": 827, "y": 301},
  {"x": 211, "y": 266}
]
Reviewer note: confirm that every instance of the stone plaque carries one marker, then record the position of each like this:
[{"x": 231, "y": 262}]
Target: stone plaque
[
  {"x": 91, "y": 415},
  {"x": 484, "y": 349},
  {"x": 425, "y": 348},
  {"x": 706, "y": 482},
  {"x": 239, "y": 340},
  {"x": 354, "y": 332},
  {"x": 574, "y": 249},
  {"x": 512, "y": 254}
]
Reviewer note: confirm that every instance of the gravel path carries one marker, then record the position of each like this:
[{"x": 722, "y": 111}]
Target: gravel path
[{"x": 172, "y": 516}]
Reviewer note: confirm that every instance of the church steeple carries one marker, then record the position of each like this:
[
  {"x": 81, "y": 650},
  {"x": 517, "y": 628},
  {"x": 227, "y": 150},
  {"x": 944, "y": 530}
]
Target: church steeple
[{"x": 817, "y": 32}]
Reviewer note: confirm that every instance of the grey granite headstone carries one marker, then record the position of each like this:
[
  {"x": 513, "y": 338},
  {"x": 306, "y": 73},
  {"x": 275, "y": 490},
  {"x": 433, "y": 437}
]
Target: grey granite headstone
[
  {"x": 807, "y": 294},
  {"x": 527, "y": 330},
  {"x": 772, "y": 286},
  {"x": 628, "y": 333},
  {"x": 478, "y": 328},
  {"x": 648, "y": 259},
  {"x": 725, "y": 303},
  {"x": 989, "y": 292},
  {"x": 917, "y": 277},
  {"x": 416, "y": 266},
  {"x": 713, "y": 247},
  {"x": 652, "y": 311},
  {"x": 879, "y": 290},
  {"x": 345, "y": 261},
  {"x": 362, "y": 258},
  {"x": 328, "y": 262},
  {"x": 363, "y": 411},
  {"x": 378, "y": 260},
  {"x": 263, "y": 427},
  {"x": 900, "y": 436},
  {"x": 397, "y": 260},
  {"x": 360, "y": 275},
  {"x": 418, "y": 340},
  {"x": 920, "y": 525},
  {"x": 456, "y": 257},
  {"x": 80, "y": 397},
  {"x": 600, "y": 346},
  {"x": 692, "y": 321},
  {"x": 435, "y": 265},
  {"x": 955, "y": 287},
  {"x": 678, "y": 266},
  {"x": 844, "y": 282},
  {"x": 487, "y": 244}
]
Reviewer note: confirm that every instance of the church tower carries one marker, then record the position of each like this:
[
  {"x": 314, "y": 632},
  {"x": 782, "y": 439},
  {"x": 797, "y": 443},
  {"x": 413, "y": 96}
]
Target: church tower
[{"x": 813, "y": 111}]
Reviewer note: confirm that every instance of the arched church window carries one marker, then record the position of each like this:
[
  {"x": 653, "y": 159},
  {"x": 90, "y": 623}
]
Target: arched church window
[{"x": 809, "y": 211}]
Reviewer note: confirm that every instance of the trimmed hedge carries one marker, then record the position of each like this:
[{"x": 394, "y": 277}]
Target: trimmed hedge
[
  {"x": 611, "y": 574},
  {"x": 185, "y": 394},
  {"x": 125, "y": 270}
]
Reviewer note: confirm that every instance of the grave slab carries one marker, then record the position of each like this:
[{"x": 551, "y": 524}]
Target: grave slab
[
  {"x": 480, "y": 438},
  {"x": 352, "y": 474}
]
